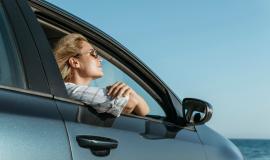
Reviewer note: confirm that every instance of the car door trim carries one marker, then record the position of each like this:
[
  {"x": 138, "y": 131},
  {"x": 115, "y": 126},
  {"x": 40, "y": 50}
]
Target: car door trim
[
  {"x": 21, "y": 90},
  {"x": 123, "y": 114},
  {"x": 191, "y": 128},
  {"x": 68, "y": 100}
]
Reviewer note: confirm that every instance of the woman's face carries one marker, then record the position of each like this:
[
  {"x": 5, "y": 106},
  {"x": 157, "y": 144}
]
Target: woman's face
[{"x": 90, "y": 65}]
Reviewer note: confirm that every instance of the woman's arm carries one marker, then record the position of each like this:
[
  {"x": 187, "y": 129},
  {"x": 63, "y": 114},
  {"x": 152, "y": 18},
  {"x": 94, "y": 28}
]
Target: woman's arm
[
  {"x": 97, "y": 98},
  {"x": 141, "y": 108},
  {"x": 136, "y": 104}
]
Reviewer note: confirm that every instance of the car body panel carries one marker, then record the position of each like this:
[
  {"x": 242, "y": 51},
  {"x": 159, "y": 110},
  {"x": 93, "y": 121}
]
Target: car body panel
[
  {"x": 216, "y": 146},
  {"x": 31, "y": 127}
]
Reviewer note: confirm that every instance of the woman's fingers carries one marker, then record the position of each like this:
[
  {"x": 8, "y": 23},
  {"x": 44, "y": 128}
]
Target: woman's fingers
[
  {"x": 112, "y": 87},
  {"x": 119, "y": 89},
  {"x": 127, "y": 92}
]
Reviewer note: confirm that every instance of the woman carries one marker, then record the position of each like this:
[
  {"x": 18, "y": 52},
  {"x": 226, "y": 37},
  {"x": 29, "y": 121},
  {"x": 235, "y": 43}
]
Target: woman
[{"x": 80, "y": 64}]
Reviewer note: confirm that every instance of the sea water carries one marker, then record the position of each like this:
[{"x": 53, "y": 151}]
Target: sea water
[{"x": 253, "y": 149}]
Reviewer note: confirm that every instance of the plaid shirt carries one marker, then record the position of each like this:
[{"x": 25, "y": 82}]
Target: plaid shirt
[{"x": 97, "y": 98}]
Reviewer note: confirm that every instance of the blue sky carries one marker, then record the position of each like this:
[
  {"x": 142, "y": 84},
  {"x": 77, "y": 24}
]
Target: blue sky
[{"x": 213, "y": 50}]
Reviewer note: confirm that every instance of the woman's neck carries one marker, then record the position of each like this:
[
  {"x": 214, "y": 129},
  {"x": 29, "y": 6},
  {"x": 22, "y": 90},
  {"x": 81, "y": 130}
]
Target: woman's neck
[{"x": 80, "y": 80}]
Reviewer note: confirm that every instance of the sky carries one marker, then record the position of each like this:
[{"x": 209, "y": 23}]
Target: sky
[{"x": 217, "y": 51}]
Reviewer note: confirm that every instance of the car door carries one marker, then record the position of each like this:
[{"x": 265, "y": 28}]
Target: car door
[
  {"x": 102, "y": 136},
  {"x": 31, "y": 126},
  {"x": 94, "y": 135}
]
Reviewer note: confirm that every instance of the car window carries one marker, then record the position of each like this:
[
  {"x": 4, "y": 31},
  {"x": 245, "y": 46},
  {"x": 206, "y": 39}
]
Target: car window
[
  {"x": 11, "y": 71},
  {"x": 113, "y": 74}
]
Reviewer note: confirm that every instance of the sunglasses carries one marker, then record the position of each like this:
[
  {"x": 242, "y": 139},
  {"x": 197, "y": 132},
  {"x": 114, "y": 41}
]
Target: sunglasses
[{"x": 92, "y": 52}]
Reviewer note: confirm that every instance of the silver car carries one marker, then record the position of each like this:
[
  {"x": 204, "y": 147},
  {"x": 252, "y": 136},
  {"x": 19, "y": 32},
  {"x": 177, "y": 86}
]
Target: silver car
[{"x": 40, "y": 122}]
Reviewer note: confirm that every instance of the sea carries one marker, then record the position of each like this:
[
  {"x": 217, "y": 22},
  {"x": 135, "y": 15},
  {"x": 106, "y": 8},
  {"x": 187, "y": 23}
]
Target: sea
[{"x": 253, "y": 149}]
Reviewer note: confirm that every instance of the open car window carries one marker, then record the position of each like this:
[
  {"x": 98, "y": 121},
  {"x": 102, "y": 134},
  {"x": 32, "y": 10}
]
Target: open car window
[
  {"x": 113, "y": 70},
  {"x": 113, "y": 74}
]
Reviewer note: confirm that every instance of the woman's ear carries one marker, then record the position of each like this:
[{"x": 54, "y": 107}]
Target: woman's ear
[{"x": 73, "y": 62}]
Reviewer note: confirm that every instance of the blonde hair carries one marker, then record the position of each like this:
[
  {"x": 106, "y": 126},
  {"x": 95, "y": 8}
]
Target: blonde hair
[{"x": 66, "y": 47}]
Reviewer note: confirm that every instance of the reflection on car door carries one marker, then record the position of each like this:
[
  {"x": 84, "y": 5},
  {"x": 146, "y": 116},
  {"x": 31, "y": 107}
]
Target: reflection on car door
[{"x": 138, "y": 138}]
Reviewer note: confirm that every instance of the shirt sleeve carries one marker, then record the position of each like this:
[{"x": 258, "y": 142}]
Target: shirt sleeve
[{"x": 97, "y": 98}]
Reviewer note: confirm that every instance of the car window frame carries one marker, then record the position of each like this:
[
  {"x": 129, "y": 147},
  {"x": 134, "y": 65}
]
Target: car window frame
[
  {"x": 26, "y": 49},
  {"x": 44, "y": 50},
  {"x": 11, "y": 52},
  {"x": 70, "y": 23}
]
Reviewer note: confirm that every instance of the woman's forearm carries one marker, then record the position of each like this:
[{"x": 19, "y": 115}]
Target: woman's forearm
[
  {"x": 136, "y": 105},
  {"x": 142, "y": 108}
]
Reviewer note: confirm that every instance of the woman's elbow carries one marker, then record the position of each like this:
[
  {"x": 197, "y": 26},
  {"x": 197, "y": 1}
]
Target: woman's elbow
[
  {"x": 147, "y": 110},
  {"x": 142, "y": 110}
]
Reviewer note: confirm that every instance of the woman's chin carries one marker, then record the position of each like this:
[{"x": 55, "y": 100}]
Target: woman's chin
[{"x": 100, "y": 75}]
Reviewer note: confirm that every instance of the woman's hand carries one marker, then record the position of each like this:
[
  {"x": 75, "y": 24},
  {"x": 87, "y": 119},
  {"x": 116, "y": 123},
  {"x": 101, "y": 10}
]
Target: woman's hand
[
  {"x": 119, "y": 89},
  {"x": 136, "y": 103}
]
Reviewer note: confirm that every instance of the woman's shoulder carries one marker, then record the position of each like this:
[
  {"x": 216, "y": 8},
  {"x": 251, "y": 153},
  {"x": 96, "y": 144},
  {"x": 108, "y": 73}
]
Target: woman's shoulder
[{"x": 70, "y": 85}]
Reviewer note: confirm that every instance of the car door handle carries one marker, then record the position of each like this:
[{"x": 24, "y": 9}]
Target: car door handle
[{"x": 100, "y": 146}]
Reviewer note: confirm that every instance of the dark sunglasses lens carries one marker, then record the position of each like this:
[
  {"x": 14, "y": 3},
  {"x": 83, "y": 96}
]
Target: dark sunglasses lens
[{"x": 95, "y": 54}]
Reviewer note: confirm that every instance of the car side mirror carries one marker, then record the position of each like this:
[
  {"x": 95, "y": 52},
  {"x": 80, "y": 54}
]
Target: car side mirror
[{"x": 196, "y": 111}]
